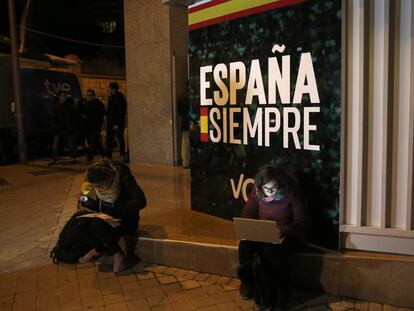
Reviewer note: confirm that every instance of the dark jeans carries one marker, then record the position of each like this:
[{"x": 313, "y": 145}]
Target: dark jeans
[
  {"x": 105, "y": 238},
  {"x": 276, "y": 258},
  {"x": 69, "y": 140},
  {"x": 110, "y": 135},
  {"x": 95, "y": 147}
]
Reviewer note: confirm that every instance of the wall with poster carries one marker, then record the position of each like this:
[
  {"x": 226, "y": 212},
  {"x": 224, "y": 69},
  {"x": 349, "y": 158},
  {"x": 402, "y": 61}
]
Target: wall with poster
[{"x": 265, "y": 79}]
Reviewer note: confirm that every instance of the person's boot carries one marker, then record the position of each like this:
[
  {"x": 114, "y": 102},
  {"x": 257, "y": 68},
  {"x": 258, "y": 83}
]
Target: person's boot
[
  {"x": 245, "y": 275},
  {"x": 245, "y": 293},
  {"x": 130, "y": 246},
  {"x": 124, "y": 159},
  {"x": 284, "y": 294}
]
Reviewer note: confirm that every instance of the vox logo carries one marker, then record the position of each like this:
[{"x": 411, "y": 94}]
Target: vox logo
[{"x": 242, "y": 185}]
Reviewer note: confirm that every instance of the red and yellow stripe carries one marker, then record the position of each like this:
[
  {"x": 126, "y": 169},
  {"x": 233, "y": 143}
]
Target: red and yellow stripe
[
  {"x": 212, "y": 12},
  {"x": 204, "y": 124}
]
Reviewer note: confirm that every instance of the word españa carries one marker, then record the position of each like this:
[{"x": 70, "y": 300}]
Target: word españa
[{"x": 228, "y": 121}]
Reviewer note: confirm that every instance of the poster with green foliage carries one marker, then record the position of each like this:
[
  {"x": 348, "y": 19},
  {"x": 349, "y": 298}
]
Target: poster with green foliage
[{"x": 265, "y": 89}]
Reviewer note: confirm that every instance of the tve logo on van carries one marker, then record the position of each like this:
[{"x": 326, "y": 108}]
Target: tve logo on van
[
  {"x": 53, "y": 87},
  {"x": 242, "y": 185}
]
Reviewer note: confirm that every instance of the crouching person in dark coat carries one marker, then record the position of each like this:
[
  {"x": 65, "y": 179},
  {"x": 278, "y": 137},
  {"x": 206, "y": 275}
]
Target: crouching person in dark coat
[{"x": 113, "y": 194}]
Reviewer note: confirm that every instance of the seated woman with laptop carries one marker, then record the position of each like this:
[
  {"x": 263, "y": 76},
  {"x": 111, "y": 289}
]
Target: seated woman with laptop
[{"x": 264, "y": 269}]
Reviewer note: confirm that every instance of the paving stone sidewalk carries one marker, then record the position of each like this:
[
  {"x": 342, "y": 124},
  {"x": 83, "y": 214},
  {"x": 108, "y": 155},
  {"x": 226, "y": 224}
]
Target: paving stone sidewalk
[
  {"x": 146, "y": 287},
  {"x": 36, "y": 203},
  {"x": 34, "y": 206}
]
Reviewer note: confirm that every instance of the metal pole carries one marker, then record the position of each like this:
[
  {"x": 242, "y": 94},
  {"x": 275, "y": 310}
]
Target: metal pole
[
  {"x": 23, "y": 24},
  {"x": 21, "y": 145},
  {"x": 174, "y": 111}
]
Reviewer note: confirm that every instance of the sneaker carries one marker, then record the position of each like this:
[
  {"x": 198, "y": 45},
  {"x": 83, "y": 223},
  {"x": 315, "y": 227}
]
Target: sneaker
[
  {"x": 260, "y": 307},
  {"x": 53, "y": 162},
  {"x": 132, "y": 261},
  {"x": 124, "y": 159},
  {"x": 284, "y": 295},
  {"x": 119, "y": 264},
  {"x": 89, "y": 256},
  {"x": 245, "y": 293}
]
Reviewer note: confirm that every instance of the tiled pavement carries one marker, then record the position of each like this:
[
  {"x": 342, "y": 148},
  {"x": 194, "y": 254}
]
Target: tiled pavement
[
  {"x": 147, "y": 287},
  {"x": 33, "y": 209}
]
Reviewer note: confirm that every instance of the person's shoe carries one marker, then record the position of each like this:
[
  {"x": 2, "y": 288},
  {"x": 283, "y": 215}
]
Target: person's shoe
[
  {"x": 53, "y": 162},
  {"x": 90, "y": 256},
  {"x": 245, "y": 293},
  {"x": 259, "y": 307},
  {"x": 124, "y": 159},
  {"x": 284, "y": 297},
  {"x": 131, "y": 261},
  {"x": 119, "y": 263}
]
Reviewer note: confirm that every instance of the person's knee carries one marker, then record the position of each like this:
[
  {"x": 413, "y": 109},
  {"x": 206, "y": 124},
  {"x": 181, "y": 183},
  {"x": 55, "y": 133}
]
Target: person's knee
[
  {"x": 98, "y": 226},
  {"x": 271, "y": 253},
  {"x": 247, "y": 244},
  {"x": 128, "y": 230},
  {"x": 276, "y": 257},
  {"x": 247, "y": 250},
  {"x": 244, "y": 246}
]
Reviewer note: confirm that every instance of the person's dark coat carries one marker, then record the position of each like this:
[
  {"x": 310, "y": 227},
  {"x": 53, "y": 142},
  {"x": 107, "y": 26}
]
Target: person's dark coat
[
  {"x": 65, "y": 118},
  {"x": 117, "y": 109},
  {"x": 92, "y": 113},
  {"x": 127, "y": 207},
  {"x": 289, "y": 213}
]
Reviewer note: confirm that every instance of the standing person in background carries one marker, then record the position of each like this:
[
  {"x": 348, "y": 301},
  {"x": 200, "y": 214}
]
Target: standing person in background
[
  {"x": 115, "y": 126},
  {"x": 92, "y": 112},
  {"x": 64, "y": 125},
  {"x": 183, "y": 112}
]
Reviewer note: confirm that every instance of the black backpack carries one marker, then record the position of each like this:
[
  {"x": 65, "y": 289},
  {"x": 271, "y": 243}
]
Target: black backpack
[{"x": 73, "y": 240}]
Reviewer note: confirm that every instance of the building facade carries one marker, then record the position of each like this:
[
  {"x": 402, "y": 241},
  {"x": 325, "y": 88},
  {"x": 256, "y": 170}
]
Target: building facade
[{"x": 376, "y": 205}]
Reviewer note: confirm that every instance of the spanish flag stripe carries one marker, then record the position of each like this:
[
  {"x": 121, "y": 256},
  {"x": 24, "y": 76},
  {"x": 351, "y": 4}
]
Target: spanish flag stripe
[
  {"x": 204, "y": 124},
  {"x": 233, "y": 9},
  {"x": 202, "y": 6},
  {"x": 204, "y": 111},
  {"x": 203, "y": 137}
]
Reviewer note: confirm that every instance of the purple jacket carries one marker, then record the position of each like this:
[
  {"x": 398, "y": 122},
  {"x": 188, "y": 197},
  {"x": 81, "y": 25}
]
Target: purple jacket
[{"x": 289, "y": 213}]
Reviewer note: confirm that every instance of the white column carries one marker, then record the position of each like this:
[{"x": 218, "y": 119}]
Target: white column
[
  {"x": 355, "y": 121},
  {"x": 378, "y": 112},
  {"x": 404, "y": 127}
]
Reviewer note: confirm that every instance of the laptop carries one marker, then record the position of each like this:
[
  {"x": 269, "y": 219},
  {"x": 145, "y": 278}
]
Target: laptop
[{"x": 266, "y": 231}]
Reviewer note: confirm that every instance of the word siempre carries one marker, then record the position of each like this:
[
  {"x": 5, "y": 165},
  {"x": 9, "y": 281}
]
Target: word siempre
[{"x": 227, "y": 118}]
